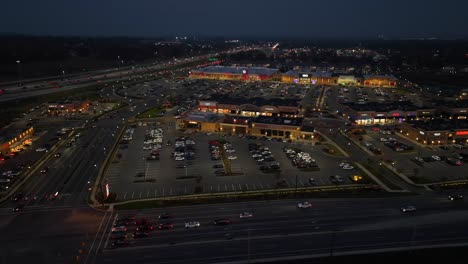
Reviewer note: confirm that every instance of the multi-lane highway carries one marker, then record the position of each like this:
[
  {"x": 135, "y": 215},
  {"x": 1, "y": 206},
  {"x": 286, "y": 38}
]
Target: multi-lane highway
[{"x": 279, "y": 229}]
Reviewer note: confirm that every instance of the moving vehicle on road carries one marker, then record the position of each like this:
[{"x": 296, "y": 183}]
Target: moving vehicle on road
[
  {"x": 192, "y": 224},
  {"x": 19, "y": 207},
  {"x": 165, "y": 215},
  {"x": 454, "y": 197},
  {"x": 304, "y": 205},
  {"x": 140, "y": 234},
  {"x": 119, "y": 243},
  {"x": 245, "y": 215},
  {"x": 221, "y": 222},
  {"x": 408, "y": 208},
  {"x": 166, "y": 226}
]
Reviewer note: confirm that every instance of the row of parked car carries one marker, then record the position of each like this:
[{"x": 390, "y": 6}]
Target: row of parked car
[
  {"x": 300, "y": 159},
  {"x": 263, "y": 157},
  {"x": 184, "y": 149}
]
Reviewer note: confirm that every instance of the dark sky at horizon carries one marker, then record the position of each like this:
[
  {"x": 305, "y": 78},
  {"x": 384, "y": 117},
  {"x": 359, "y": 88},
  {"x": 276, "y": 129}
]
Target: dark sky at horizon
[{"x": 262, "y": 18}]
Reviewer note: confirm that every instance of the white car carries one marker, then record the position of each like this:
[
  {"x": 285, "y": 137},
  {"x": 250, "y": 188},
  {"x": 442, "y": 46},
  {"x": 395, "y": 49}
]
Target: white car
[
  {"x": 408, "y": 208},
  {"x": 435, "y": 157},
  {"x": 246, "y": 215},
  {"x": 383, "y": 140},
  {"x": 347, "y": 167},
  {"x": 342, "y": 164},
  {"x": 192, "y": 224},
  {"x": 419, "y": 159},
  {"x": 232, "y": 157},
  {"x": 304, "y": 205},
  {"x": 179, "y": 158},
  {"x": 41, "y": 149}
]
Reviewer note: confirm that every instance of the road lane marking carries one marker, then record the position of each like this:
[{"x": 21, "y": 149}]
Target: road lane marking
[
  {"x": 95, "y": 237},
  {"x": 109, "y": 233},
  {"x": 147, "y": 194},
  {"x": 240, "y": 187}
]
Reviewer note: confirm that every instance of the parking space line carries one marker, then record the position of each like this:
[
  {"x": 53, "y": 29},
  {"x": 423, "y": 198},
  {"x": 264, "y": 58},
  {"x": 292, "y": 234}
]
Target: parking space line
[
  {"x": 302, "y": 183},
  {"x": 185, "y": 189},
  {"x": 125, "y": 195},
  {"x": 218, "y": 187},
  {"x": 233, "y": 188},
  {"x": 133, "y": 193},
  {"x": 240, "y": 187},
  {"x": 246, "y": 186},
  {"x": 211, "y": 188},
  {"x": 261, "y": 185},
  {"x": 155, "y": 192},
  {"x": 254, "y": 187},
  {"x": 225, "y": 187},
  {"x": 147, "y": 194},
  {"x": 140, "y": 195}
]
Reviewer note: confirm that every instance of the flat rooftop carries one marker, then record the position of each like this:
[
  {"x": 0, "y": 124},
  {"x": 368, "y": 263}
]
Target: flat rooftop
[
  {"x": 284, "y": 121},
  {"x": 257, "y": 101},
  {"x": 201, "y": 116},
  {"x": 439, "y": 124},
  {"x": 237, "y": 70},
  {"x": 383, "y": 76},
  {"x": 384, "y": 107}
]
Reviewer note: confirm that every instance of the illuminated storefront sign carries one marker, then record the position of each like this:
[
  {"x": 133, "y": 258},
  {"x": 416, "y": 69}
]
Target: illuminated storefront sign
[
  {"x": 305, "y": 75},
  {"x": 421, "y": 132},
  {"x": 462, "y": 133},
  {"x": 436, "y": 134}
]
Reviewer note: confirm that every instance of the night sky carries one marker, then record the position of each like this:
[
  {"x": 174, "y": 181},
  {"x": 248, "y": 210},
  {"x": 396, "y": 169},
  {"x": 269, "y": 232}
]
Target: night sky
[{"x": 262, "y": 18}]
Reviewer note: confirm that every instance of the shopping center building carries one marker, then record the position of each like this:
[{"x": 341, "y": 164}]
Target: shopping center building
[
  {"x": 268, "y": 126},
  {"x": 256, "y": 106},
  {"x": 436, "y": 131},
  {"x": 297, "y": 77},
  {"x": 12, "y": 140},
  {"x": 373, "y": 113},
  {"x": 235, "y": 73}
]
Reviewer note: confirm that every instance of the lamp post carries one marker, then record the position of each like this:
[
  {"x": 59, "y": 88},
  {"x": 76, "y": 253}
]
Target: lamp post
[{"x": 18, "y": 69}]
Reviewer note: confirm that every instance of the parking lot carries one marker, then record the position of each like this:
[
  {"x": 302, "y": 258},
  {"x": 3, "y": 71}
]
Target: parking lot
[
  {"x": 182, "y": 168},
  {"x": 422, "y": 164}
]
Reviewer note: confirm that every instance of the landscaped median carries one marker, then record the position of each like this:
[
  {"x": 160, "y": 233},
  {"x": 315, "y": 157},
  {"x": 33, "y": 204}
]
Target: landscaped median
[
  {"x": 151, "y": 113},
  {"x": 311, "y": 192}
]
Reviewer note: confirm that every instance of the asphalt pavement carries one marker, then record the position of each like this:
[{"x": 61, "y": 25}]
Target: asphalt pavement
[{"x": 280, "y": 229}]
